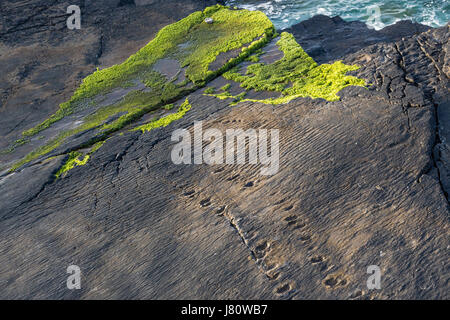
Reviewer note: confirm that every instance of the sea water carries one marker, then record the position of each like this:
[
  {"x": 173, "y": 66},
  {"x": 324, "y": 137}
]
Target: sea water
[{"x": 375, "y": 13}]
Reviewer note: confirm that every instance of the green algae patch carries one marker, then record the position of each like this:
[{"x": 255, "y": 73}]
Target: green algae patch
[
  {"x": 295, "y": 75},
  {"x": 255, "y": 57},
  {"x": 96, "y": 146},
  {"x": 168, "y": 106},
  {"x": 223, "y": 95},
  {"x": 209, "y": 90},
  {"x": 191, "y": 41},
  {"x": 72, "y": 161},
  {"x": 76, "y": 158},
  {"x": 195, "y": 43},
  {"x": 13, "y": 147},
  {"x": 166, "y": 120},
  {"x": 231, "y": 29}
]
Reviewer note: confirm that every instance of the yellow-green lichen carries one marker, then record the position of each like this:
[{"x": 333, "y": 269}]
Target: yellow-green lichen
[
  {"x": 209, "y": 90},
  {"x": 200, "y": 44},
  {"x": 255, "y": 57},
  {"x": 96, "y": 146},
  {"x": 295, "y": 75},
  {"x": 231, "y": 30},
  {"x": 168, "y": 106},
  {"x": 12, "y": 147},
  {"x": 191, "y": 41},
  {"x": 72, "y": 161},
  {"x": 166, "y": 120}
]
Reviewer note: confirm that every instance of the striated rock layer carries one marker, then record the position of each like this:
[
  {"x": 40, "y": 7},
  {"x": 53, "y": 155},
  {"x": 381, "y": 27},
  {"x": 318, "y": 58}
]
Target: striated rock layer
[{"x": 362, "y": 181}]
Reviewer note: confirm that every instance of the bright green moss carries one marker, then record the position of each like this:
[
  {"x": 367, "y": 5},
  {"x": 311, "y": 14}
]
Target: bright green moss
[
  {"x": 53, "y": 144},
  {"x": 104, "y": 80},
  {"x": 225, "y": 94},
  {"x": 96, "y": 146},
  {"x": 209, "y": 90},
  {"x": 72, "y": 161},
  {"x": 295, "y": 75},
  {"x": 204, "y": 42},
  {"x": 134, "y": 105},
  {"x": 166, "y": 120},
  {"x": 231, "y": 30},
  {"x": 16, "y": 144},
  {"x": 255, "y": 57},
  {"x": 193, "y": 42}
]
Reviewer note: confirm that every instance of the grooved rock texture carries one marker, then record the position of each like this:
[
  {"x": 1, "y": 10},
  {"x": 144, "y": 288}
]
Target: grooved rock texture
[
  {"x": 362, "y": 181},
  {"x": 328, "y": 39}
]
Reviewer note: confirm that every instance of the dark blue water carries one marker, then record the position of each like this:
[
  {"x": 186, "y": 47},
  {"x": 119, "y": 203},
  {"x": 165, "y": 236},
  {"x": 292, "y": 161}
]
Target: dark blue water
[{"x": 376, "y": 13}]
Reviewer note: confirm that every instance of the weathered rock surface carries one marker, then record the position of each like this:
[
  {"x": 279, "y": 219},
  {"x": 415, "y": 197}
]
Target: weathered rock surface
[
  {"x": 361, "y": 182},
  {"x": 328, "y": 39}
]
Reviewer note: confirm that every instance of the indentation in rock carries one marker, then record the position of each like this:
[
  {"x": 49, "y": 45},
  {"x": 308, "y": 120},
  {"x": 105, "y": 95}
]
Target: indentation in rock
[
  {"x": 358, "y": 293},
  {"x": 189, "y": 193},
  {"x": 334, "y": 281},
  {"x": 249, "y": 184},
  {"x": 260, "y": 250},
  {"x": 273, "y": 275},
  {"x": 331, "y": 282},
  {"x": 283, "y": 288},
  {"x": 218, "y": 170},
  {"x": 298, "y": 225},
  {"x": 262, "y": 246},
  {"x": 316, "y": 259},
  {"x": 220, "y": 210},
  {"x": 205, "y": 202},
  {"x": 290, "y": 218},
  {"x": 305, "y": 237},
  {"x": 292, "y": 223}
]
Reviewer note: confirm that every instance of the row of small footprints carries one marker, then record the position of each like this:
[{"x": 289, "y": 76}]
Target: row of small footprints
[
  {"x": 260, "y": 251},
  {"x": 293, "y": 222}
]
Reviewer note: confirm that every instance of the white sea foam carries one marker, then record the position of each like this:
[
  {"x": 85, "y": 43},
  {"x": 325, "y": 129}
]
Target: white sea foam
[{"x": 285, "y": 13}]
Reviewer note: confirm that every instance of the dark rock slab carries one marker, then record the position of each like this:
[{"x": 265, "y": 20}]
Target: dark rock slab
[
  {"x": 326, "y": 39},
  {"x": 361, "y": 182}
]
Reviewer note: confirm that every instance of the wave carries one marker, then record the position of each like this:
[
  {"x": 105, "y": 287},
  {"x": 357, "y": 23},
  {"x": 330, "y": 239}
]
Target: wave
[{"x": 376, "y": 14}]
